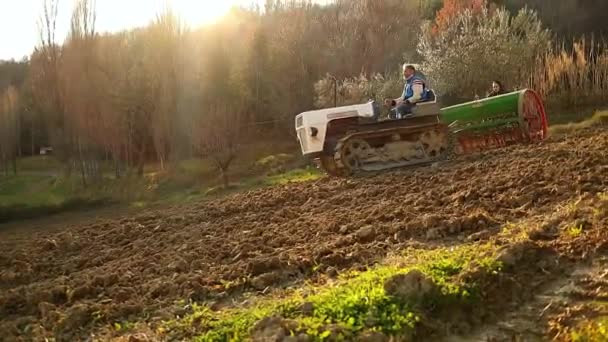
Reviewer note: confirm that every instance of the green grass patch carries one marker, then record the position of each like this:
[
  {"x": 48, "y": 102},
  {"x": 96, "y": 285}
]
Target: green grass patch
[
  {"x": 294, "y": 176},
  {"x": 171, "y": 192},
  {"x": 27, "y": 196},
  {"x": 32, "y": 190},
  {"x": 40, "y": 188},
  {"x": 276, "y": 163},
  {"x": 355, "y": 303},
  {"x": 275, "y": 160},
  {"x": 11, "y": 185},
  {"x": 123, "y": 326},
  {"x": 40, "y": 164},
  {"x": 21, "y": 211},
  {"x": 591, "y": 331},
  {"x": 196, "y": 166}
]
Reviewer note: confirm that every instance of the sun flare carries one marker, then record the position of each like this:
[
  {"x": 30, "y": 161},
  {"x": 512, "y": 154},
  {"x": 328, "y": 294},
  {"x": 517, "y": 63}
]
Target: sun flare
[{"x": 201, "y": 12}]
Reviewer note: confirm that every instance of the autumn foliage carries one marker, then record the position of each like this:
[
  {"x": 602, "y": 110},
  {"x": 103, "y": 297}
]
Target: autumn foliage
[{"x": 451, "y": 8}]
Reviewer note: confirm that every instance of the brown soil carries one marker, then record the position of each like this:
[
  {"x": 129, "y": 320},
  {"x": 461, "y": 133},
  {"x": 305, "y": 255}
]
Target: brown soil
[
  {"x": 65, "y": 283},
  {"x": 558, "y": 280}
]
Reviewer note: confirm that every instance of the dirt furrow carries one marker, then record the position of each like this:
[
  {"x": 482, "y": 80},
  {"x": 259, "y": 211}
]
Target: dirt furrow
[{"x": 135, "y": 266}]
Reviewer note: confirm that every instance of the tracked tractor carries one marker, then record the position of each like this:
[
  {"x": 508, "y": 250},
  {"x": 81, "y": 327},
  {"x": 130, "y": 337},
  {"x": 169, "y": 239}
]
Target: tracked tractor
[{"x": 354, "y": 139}]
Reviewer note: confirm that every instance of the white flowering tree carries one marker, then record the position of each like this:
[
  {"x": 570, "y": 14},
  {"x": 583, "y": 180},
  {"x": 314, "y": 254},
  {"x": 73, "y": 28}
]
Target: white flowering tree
[{"x": 476, "y": 47}]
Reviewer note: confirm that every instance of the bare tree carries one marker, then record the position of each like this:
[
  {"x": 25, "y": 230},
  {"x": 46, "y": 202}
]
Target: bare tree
[
  {"x": 218, "y": 135},
  {"x": 165, "y": 38},
  {"x": 46, "y": 83},
  {"x": 134, "y": 97},
  {"x": 81, "y": 100}
]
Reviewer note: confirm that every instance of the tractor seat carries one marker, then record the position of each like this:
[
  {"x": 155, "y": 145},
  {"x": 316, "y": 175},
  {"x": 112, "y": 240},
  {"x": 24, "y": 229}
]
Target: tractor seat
[
  {"x": 428, "y": 107},
  {"x": 432, "y": 98}
]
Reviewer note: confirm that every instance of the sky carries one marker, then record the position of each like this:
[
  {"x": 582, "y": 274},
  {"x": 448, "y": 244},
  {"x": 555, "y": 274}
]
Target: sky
[{"x": 19, "y": 18}]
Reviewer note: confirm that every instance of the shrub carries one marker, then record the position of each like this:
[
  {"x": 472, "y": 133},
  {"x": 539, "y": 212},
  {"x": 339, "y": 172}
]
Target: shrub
[{"x": 476, "y": 47}]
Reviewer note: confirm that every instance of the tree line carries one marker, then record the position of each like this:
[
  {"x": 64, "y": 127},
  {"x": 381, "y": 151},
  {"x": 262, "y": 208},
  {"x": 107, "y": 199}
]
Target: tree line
[{"x": 165, "y": 92}]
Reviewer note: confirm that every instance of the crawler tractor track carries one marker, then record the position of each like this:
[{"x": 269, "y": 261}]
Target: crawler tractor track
[{"x": 396, "y": 147}]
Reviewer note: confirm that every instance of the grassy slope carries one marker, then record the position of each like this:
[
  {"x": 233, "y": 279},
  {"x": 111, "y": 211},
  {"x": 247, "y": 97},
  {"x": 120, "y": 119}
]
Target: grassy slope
[
  {"x": 39, "y": 188},
  {"x": 37, "y": 194}
]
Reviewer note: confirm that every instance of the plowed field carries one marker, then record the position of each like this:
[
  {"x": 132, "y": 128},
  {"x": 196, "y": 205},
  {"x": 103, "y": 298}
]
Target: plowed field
[{"x": 69, "y": 283}]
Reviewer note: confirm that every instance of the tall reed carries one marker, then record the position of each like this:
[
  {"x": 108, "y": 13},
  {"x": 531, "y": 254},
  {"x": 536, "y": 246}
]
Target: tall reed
[{"x": 573, "y": 77}]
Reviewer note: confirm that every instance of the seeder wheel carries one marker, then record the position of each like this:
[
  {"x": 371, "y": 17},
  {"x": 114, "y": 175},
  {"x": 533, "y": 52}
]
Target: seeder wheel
[{"x": 533, "y": 117}]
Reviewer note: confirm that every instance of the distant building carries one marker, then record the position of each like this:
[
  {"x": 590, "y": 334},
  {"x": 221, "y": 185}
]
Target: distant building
[{"x": 46, "y": 150}]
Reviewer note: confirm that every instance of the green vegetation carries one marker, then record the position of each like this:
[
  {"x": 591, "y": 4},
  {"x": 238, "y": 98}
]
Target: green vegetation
[
  {"x": 478, "y": 37},
  {"x": 591, "y": 331},
  {"x": 274, "y": 161},
  {"x": 171, "y": 191},
  {"x": 32, "y": 190},
  {"x": 294, "y": 176},
  {"x": 40, "y": 188},
  {"x": 355, "y": 303},
  {"x": 29, "y": 196},
  {"x": 123, "y": 326},
  {"x": 574, "y": 231},
  {"x": 45, "y": 164}
]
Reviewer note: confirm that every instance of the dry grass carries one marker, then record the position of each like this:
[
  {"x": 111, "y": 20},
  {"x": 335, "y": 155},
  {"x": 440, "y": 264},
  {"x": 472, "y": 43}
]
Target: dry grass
[
  {"x": 573, "y": 78},
  {"x": 599, "y": 118}
]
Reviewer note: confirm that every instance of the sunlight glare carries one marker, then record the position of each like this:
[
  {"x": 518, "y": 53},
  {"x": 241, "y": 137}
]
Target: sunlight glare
[{"x": 201, "y": 12}]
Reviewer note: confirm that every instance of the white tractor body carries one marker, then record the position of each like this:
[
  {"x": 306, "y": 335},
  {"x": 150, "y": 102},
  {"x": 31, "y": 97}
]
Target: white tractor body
[{"x": 311, "y": 126}]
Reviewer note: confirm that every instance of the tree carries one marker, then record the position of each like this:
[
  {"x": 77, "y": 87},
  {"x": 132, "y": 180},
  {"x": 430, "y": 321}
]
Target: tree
[
  {"x": 259, "y": 73},
  {"x": 475, "y": 49},
  {"x": 33, "y": 131},
  {"x": 12, "y": 73},
  {"x": 9, "y": 128},
  {"x": 218, "y": 135},
  {"x": 134, "y": 97},
  {"x": 569, "y": 19},
  {"x": 165, "y": 44},
  {"x": 81, "y": 98},
  {"x": 429, "y": 8},
  {"x": 46, "y": 85},
  {"x": 218, "y": 125}
]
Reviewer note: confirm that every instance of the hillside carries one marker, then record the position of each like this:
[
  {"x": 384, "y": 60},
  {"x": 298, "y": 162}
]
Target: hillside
[{"x": 516, "y": 236}]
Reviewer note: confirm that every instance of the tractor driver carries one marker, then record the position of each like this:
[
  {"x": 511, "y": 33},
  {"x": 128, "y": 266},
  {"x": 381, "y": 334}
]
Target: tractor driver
[{"x": 414, "y": 91}]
